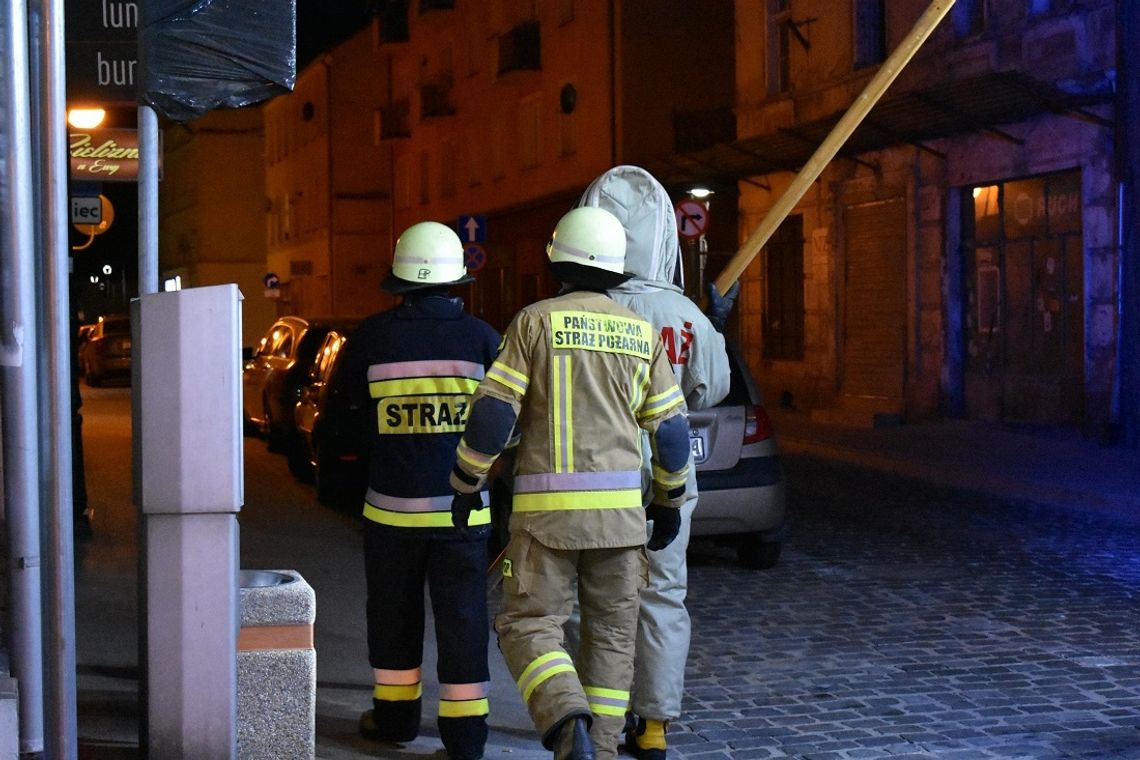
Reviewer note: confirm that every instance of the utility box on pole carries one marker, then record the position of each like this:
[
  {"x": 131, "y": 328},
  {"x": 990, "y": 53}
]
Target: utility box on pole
[{"x": 189, "y": 488}]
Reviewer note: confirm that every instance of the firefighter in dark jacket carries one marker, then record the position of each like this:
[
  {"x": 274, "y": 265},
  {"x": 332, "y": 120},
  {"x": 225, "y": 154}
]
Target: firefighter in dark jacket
[
  {"x": 580, "y": 377},
  {"x": 412, "y": 371}
]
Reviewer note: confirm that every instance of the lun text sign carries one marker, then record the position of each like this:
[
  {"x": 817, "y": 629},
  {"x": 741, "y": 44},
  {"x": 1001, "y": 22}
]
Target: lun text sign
[
  {"x": 102, "y": 52},
  {"x": 107, "y": 155}
]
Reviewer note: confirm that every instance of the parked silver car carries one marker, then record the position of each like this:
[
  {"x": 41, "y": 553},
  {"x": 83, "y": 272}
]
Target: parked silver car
[
  {"x": 273, "y": 376},
  {"x": 739, "y": 476}
]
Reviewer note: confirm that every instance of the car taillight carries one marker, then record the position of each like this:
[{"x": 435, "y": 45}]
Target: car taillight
[{"x": 757, "y": 426}]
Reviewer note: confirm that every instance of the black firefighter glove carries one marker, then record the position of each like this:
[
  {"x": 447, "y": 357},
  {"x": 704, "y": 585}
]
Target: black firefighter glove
[
  {"x": 719, "y": 306},
  {"x": 461, "y": 506},
  {"x": 666, "y": 524}
]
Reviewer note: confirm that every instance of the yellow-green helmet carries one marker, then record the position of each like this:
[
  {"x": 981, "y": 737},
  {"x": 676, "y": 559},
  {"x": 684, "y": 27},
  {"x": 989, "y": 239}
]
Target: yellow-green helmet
[
  {"x": 588, "y": 248},
  {"x": 427, "y": 255}
]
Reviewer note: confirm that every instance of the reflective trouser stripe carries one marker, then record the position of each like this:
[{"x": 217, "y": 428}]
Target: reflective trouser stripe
[
  {"x": 458, "y": 692},
  {"x": 398, "y": 677},
  {"x": 607, "y": 701},
  {"x": 401, "y": 693},
  {"x": 541, "y": 669},
  {"x": 466, "y": 708}
]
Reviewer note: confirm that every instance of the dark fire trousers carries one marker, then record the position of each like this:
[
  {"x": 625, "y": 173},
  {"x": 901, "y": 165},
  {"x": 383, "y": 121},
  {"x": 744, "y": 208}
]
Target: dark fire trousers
[{"x": 397, "y": 563}]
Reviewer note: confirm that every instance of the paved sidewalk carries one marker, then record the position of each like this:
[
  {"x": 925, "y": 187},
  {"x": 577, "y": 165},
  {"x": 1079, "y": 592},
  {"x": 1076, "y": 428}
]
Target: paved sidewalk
[{"x": 1058, "y": 468}]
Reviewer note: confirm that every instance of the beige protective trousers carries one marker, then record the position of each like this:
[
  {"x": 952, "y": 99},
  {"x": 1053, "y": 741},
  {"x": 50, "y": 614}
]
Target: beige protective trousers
[{"x": 538, "y": 596}]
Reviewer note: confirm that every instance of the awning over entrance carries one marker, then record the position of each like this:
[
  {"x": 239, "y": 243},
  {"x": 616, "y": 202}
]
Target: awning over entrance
[{"x": 982, "y": 103}]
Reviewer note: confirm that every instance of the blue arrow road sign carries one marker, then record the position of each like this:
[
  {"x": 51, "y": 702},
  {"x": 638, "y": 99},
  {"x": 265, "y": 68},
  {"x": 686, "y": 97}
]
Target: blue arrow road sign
[{"x": 472, "y": 229}]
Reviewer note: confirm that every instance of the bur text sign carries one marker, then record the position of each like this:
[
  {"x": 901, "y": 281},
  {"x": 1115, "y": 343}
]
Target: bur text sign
[{"x": 102, "y": 52}]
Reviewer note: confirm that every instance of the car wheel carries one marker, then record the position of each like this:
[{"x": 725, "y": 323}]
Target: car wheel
[
  {"x": 272, "y": 437},
  {"x": 754, "y": 553},
  {"x": 324, "y": 478},
  {"x": 298, "y": 460},
  {"x": 248, "y": 426}
]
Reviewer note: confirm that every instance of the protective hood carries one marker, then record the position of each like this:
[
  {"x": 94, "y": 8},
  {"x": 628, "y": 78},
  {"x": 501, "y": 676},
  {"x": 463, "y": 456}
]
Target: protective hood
[{"x": 638, "y": 200}]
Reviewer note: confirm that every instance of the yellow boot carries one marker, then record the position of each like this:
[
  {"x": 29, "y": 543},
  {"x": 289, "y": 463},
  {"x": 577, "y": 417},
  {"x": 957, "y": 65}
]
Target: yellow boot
[{"x": 647, "y": 739}]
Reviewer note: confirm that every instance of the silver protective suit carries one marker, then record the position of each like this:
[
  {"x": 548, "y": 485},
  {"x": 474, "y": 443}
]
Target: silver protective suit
[{"x": 697, "y": 352}]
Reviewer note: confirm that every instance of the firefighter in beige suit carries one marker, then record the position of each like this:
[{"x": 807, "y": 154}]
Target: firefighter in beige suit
[{"x": 578, "y": 378}]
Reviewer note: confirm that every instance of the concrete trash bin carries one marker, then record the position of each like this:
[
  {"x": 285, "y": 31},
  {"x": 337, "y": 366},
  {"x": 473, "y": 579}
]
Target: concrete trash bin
[{"x": 276, "y": 666}]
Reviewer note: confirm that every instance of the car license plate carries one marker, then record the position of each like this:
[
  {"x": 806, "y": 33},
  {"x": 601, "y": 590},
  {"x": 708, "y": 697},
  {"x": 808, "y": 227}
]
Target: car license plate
[{"x": 697, "y": 444}]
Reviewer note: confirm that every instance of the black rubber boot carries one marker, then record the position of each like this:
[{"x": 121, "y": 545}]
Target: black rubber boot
[
  {"x": 464, "y": 738},
  {"x": 391, "y": 721},
  {"x": 574, "y": 742}
]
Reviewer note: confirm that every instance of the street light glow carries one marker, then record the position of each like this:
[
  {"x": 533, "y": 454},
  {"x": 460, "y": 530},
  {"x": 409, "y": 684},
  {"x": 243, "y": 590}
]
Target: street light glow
[
  {"x": 700, "y": 192},
  {"x": 85, "y": 118}
]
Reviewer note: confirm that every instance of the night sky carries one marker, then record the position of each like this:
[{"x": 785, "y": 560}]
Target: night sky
[{"x": 321, "y": 24}]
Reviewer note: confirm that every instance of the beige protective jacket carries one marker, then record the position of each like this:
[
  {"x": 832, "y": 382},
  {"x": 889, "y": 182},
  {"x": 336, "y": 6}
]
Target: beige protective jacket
[{"x": 582, "y": 376}]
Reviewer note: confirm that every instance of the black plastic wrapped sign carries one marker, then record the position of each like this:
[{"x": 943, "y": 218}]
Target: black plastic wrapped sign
[{"x": 197, "y": 56}]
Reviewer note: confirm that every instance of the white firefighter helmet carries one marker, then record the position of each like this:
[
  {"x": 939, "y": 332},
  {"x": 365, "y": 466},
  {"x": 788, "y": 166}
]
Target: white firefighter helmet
[
  {"x": 427, "y": 255},
  {"x": 588, "y": 248}
]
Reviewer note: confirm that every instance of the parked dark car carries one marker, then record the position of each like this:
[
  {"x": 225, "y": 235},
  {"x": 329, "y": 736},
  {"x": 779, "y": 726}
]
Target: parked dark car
[
  {"x": 272, "y": 378},
  {"x": 739, "y": 476},
  {"x": 329, "y": 447},
  {"x": 106, "y": 354},
  {"x": 82, "y": 335}
]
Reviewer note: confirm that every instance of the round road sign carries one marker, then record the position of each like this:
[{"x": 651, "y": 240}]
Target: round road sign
[
  {"x": 692, "y": 218},
  {"x": 474, "y": 257}
]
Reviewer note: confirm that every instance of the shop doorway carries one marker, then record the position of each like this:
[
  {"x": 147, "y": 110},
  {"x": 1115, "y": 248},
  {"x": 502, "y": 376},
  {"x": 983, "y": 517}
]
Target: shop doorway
[{"x": 1024, "y": 300}]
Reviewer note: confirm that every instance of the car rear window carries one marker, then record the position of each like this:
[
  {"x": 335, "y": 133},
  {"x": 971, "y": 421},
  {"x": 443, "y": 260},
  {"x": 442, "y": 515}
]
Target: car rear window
[
  {"x": 119, "y": 325},
  {"x": 739, "y": 393}
]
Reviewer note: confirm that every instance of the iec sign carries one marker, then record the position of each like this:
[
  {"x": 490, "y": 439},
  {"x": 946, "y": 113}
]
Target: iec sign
[
  {"x": 106, "y": 155},
  {"x": 102, "y": 52}
]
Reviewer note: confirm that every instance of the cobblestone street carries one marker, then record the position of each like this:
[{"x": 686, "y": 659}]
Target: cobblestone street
[{"x": 906, "y": 620}]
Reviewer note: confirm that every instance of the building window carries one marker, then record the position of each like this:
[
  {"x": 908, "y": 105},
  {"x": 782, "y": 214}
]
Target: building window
[
  {"x": 529, "y": 130},
  {"x": 969, "y": 17},
  {"x": 568, "y": 134},
  {"x": 447, "y": 170},
  {"x": 476, "y": 156},
  {"x": 425, "y": 178},
  {"x": 520, "y": 49},
  {"x": 870, "y": 32},
  {"x": 1042, "y": 7},
  {"x": 498, "y": 151},
  {"x": 779, "y": 46},
  {"x": 783, "y": 314},
  {"x": 403, "y": 181}
]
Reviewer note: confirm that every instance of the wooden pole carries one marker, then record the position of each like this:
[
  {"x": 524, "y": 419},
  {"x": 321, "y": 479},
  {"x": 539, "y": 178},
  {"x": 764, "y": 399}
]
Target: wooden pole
[{"x": 826, "y": 151}]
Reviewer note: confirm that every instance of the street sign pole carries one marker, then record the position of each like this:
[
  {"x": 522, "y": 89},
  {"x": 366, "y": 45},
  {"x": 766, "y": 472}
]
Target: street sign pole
[
  {"x": 148, "y": 200},
  {"x": 18, "y": 389}
]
